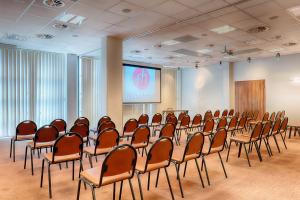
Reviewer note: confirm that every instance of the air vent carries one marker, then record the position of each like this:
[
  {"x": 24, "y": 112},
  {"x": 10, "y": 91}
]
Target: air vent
[
  {"x": 54, "y": 3},
  {"x": 258, "y": 29},
  {"x": 186, "y": 38},
  {"x": 247, "y": 51},
  {"x": 187, "y": 52},
  {"x": 60, "y": 26},
  {"x": 15, "y": 37},
  {"x": 135, "y": 51},
  {"x": 44, "y": 36},
  {"x": 290, "y": 44}
]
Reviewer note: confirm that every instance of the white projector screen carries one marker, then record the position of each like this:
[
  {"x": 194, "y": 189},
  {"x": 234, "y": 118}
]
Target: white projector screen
[{"x": 141, "y": 84}]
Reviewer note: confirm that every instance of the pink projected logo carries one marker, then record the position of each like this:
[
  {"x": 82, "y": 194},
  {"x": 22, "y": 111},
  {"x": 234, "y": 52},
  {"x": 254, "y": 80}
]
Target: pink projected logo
[{"x": 141, "y": 78}]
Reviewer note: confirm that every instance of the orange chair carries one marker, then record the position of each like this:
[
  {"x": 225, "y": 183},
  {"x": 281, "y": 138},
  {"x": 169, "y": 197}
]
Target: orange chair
[
  {"x": 192, "y": 151},
  {"x": 101, "y": 121},
  {"x": 66, "y": 148},
  {"x": 181, "y": 115},
  {"x": 82, "y": 120},
  {"x": 61, "y": 125},
  {"x": 225, "y": 113},
  {"x": 103, "y": 126},
  {"x": 156, "y": 120},
  {"x": 283, "y": 129},
  {"x": 279, "y": 130},
  {"x": 168, "y": 130},
  {"x": 24, "y": 131},
  {"x": 83, "y": 131},
  {"x": 118, "y": 166},
  {"x": 159, "y": 156},
  {"x": 272, "y": 117},
  {"x": 129, "y": 128},
  {"x": 44, "y": 138},
  {"x": 183, "y": 126},
  {"x": 140, "y": 138},
  {"x": 216, "y": 146},
  {"x": 196, "y": 123},
  {"x": 264, "y": 137},
  {"x": 222, "y": 123},
  {"x": 217, "y": 114},
  {"x": 241, "y": 126},
  {"x": 208, "y": 127},
  {"x": 231, "y": 113},
  {"x": 143, "y": 120},
  {"x": 232, "y": 125},
  {"x": 207, "y": 116},
  {"x": 274, "y": 132},
  {"x": 243, "y": 139},
  {"x": 105, "y": 142}
]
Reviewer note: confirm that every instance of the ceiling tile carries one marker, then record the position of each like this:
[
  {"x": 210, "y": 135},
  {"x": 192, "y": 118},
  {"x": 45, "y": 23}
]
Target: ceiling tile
[
  {"x": 192, "y": 3},
  {"x": 11, "y": 10},
  {"x": 100, "y": 4},
  {"x": 146, "y": 3},
  {"x": 170, "y": 8},
  {"x": 118, "y": 9},
  {"x": 211, "y": 6},
  {"x": 260, "y": 10}
]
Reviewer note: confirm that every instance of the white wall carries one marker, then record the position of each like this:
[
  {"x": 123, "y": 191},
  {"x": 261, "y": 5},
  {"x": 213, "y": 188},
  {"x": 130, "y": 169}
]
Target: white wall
[
  {"x": 205, "y": 88},
  {"x": 281, "y": 92}
]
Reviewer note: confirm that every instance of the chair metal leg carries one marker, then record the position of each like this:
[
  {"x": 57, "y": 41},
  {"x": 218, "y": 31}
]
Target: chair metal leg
[
  {"x": 178, "y": 178},
  {"x": 49, "y": 181},
  {"x": 240, "y": 149},
  {"x": 90, "y": 160},
  {"x": 205, "y": 167},
  {"x": 25, "y": 159},
  {"x": 140, "y": 186},
  {"x": 169, "y": 183},
  {"x": 78, "y": 190},
  {"x": 228, "y": 150},
  {"x": 10, "y": 150},
  {"x": 131, "y": 189},
  {"x": 267, "y": 140},
  {"x": 283, "y": 140},
  {"x": 222, "y": 164},
  {"x": 93, "y": 193},
  {"x": 114, "y": 191},
  {"x": 185, "y": 168},
  {"x": 247, "y": 154},
  {"x": 148, "y": 185},
  {"x": 31, "y": 161},
  {"x": 73, "y": 163},
  {"x": 267, "y": 147},
  {"x": 258, "y": 151},
  {"x": 121, "y": 187},
  {"x": 42, "y": 173},
  {"x": 199, "y": 173},
  {"x": 157, "y": 178},
  {"x": 80, "y": 168},
  {"x": 14, "y": 151},
  {"x": 274, "y": 137}
]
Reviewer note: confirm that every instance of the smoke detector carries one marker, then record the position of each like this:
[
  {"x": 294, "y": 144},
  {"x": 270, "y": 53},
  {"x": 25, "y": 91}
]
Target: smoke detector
[
  {"x": 44, "y": 36},
  {"x": 60, "y": 26},
  {"x": 54, "y": 3},
  {"x": 258, "y": 29}
]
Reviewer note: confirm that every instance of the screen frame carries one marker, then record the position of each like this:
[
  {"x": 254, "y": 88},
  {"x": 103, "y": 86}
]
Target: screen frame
[{"x": 147, "y": 67}]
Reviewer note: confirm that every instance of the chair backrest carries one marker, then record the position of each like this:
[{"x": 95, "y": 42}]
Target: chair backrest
[
  {"x": 244, "y": 114},
  {"x": 233, "y": 122},
  {"x": 60, "y": 124},
  {"x": 218, "y": 141},
  {"x": 172, "y": 119},
  {"x": 82, "y": 120},
  {"x": 27, "y": 127},
  {"x": 237, "y": 114},
  {"x": 276, "y": 126},
  {"x": 194, "y": 145},
  {"x": 185, "y": 121},
  {"x": 272, "y": 117},
  {"x": 208, "y": 115},
  {"x": 284, "y": 124},
  {"x": 222, "y": 123},
  {"x": 266, "y": 117},
  {"x": 225, "y": 113},
  {"x": 278, "y": 114},
  {"x": 68, "y": 144},
  {"x": 217, "y": 114},
  {"x": 81, "y": 129},
  {"x": 103, "y": 119},
  {"x": 197, "y": 120},
  {"x": 231, "y": 112},
  {"x": 242, "y": 122},
  {"x": 255, "y": 115},
  {"x": 121, "y": 160},
  {"x": 130, "y": 125},
  {"x": 108, "y": 138},
  {"x": 282, "y": 114},
  {"x": 141, "y": 135},
  {"x": 48, "y": 133},
  {"x": 266, "y": 129},
  {"x": 181, "y": 115},
  {"x": 156, "y": 119},
  {"x": 168, "y": 130},
  {"x": 143, "y": 120},
  {"x": 160, "y": 152},
  {"x": 256, "y": 132},
  {"x": 105, "y": 125},
  {"x": 209, "y": 126}
]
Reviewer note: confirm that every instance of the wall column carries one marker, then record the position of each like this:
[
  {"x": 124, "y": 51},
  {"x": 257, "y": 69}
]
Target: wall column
[{"x": 112, "y": 49}]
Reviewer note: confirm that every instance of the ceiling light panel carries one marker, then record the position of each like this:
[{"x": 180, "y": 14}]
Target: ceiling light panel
[
  {"x": 78, "y": 20},
  {"x": 223, "y": 29},
  {"x": 204, "y": 51},
  {"x": 65, "y": 17},
  {"x": 295, "y": 11},
  {"x": 170, "y": 42}
]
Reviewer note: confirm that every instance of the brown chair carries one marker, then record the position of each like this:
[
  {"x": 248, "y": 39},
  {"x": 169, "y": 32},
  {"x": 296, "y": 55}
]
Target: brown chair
[
  {"x": 250, "y": 139},
  {"x": 168, "y": 130},
  {"x": 253, "y": 120},
  {"x": 66, "y": 148},
  {"x": 225, "y": 113},
  {"x": 222, "y": 123},
  {"x": 104, "y": 143},
  {"x": 272, "y": 117},
  {"x": 101, "y": 121},
  {"x": 208, "y": 127},
  {"x": 242, "y": 124},
  {"x": 196, "y": 123},
  {"x": 192, "y": 151},
  {"x": 232, "y": 125},
  {"x": 44, "y": 138},
  {"x": 183, "y": 126},
  {"x": 217, "y": 114},
  {"x": 181, "y": 115},
  {"x": 61, "y": 125},
  {"x": 274, "y": 132},
  {"x": 264, "y": 137},
  {"x": 129, "y": 128},
  {"x": 24, "y": 131},
  {"x": 216, "y": 146},
  {"x": 103, "y": 126},
  {"x": 231, "y": 113},
  {"x": 156, "y": 120},
  {"x": 159, "y": 156},
  {"x": 82, "y": 130},
  {"x": 82, "y": 120},
  {"x": 118, "y": 166},
  {"x": 143, "y": 120},
  {"x": 170, "y": 114},
  {"x": 278, "y": 115},
  {"x": 140, "y": 138},
  {"x": 282, "y": 130},
  {"x": 207, "y": 116}
]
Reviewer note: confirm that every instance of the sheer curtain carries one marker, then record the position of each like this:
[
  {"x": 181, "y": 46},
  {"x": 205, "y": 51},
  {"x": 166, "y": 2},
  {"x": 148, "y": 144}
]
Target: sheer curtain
[
  {"x": 92, "y": 92},
  {"x": 33, "y": 86}
]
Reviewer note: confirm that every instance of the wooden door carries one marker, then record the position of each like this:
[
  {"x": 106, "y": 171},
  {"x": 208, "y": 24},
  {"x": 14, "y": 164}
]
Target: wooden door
[{"x": 250, "y": 96}]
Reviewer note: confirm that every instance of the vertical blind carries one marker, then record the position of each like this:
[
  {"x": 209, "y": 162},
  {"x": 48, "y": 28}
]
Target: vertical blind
[{"x": 33, "y": 86}]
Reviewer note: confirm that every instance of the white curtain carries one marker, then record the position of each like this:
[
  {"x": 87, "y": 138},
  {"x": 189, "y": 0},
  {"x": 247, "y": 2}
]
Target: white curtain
[
  {"x": 33, "y": 86},
  {"x": 92, "y": 92}
]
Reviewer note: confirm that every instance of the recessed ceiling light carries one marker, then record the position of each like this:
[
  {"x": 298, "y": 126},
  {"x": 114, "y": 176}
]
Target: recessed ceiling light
[
  {"x": 75, "y": 35},
  {"x": 65, "y": 17},
  {"x": 258, "y": 29},
  {"x": 223, "y": 29},
  {"x": 54, "y": 3},
  {"x": 273, "y": 17},
  {"x": 71, "y": 18},
  {"x": 275, "y": 50},
  {"x": 126, "y": 10},
  {"x": 60, "y": 26},
  {"x": 78, "y": 20},
  {"x": 204, "y": 51},
  {"x": 295, "y": 11},
  {"x": 135, "y": 51},
  {"x": 170, "y": 42}
]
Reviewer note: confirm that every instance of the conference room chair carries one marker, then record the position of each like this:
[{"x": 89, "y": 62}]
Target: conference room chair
[
  {"x": 216, "y": 147},
  {"x": 231, "y": 127},
  {"x": 183, "y": 126},
  {"x": 156, "y": 121},
  {"x": 192, "y": 151},
  {"x": 231, "y": 113},
  {"x": 282, "y": 114},
  {"x": 253, "y": 120},
  {"x": 283, "y": 129},
  {"x": 217, "y": 114},
  {"x": 44, "y": 138},
  {"x": 101, "y": 127},
  {"x": 24, "y": 132},
  {"x": 129, "y": 128},
  {"x": 241, "y": 126},
  {"x": 83, "y": 131},
  {"x": 208, "y": 128},
  {"x": 237, "y": 114},
  {"x": 140, "y": 139},
  {"x": 168, "y": 130},
  {"x": 159, "y": 157},
  {"x": 143, "y": 120},
  {"x": 104, "y": 143},
  {"x": 221, "y": 124},
  {"x": 67, "y": 148},
  {"x": 274, "y": 132},
  {"x": 61, "y": 125},
  {"x": 247, "y": 139},
  {"x": 101, "y": 121},
  {"x": 82, "y": 120},
  {"x": 272, "y": 117},
  {"x": 225, "y": 113},
  {"x": 171, "y": 119},
  {"x": 180, "y": 116},
  {"x": 207, "y": 116},
  {"x": 196, "y": 123},
  {"x": 264, "y": 137},
  {"x": 278, "y": 115},
  {"x": 118, "y": 166}
]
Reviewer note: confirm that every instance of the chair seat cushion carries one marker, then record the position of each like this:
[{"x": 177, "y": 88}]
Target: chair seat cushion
[
  {"x": 58, "y": 159},
  {"x": 23, "y": 137},
  {"x": 243, "y": 138},
  {"x": 177, "y": 155},
  {"x": 40, "y": 144},
  {"x": 141, "y": 163},
  {"x": 99, "y": 151}
]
